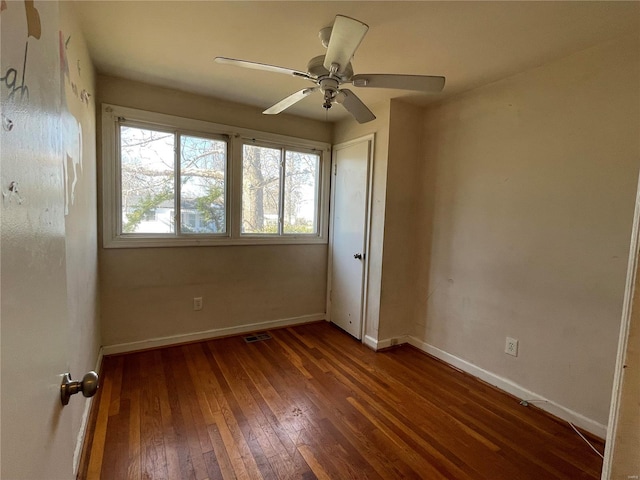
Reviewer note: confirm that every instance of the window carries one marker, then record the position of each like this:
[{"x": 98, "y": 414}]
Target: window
[
  {"x": 203, "y": 165},
  {"x": 175, "y": 181},
  {"x": 279, "y": 191},
  {"x": 155, "y": 165}
]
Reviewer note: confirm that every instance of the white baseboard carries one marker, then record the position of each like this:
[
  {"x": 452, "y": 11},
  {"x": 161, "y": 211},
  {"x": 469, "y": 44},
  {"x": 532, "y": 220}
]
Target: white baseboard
[
  {"x": 208, "y": 334},
  {"x": 385, "y": 343},
  {"x": 83, "y": 423},
  {"x": 370, "y": 342},
  {"x": 513, "y": 388}
]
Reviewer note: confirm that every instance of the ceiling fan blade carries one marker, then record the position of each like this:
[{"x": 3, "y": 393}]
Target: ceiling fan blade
[
  {"x": 423, "y": 83},
  {"x": 354, "y": 106},
  {"x": 288, "y": 101},
  {"x": 262, "y": 66},
  {"x": 346, "y": 35}
]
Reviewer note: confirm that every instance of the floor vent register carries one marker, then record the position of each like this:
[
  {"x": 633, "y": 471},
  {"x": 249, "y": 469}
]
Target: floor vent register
[{"x": 258, "y": 337}]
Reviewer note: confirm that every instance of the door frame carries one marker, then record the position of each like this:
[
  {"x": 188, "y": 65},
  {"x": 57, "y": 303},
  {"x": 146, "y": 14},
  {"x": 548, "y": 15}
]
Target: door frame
[
  {"x": 628, "y": 315},
  {"x": 370, "y": 139}
]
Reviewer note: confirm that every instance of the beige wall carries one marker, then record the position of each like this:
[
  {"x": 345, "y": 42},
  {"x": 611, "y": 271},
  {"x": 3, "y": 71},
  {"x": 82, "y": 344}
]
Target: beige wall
[
  {"x": 527, "y": 201},
  {"x": 401, "y": 239},
  {"x": 132, "y": 94},
  {"x": 390, "y": 309},
  {"x": 147, "y": 293},
  {"x": 81, "y": 221},
  {"x": 345, "y": 131}
]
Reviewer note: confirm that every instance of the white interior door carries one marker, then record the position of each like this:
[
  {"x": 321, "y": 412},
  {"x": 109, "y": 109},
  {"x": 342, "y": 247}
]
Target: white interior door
[
  {"x": 349, "y": 222},
  {"x": 36, "y": 430}
]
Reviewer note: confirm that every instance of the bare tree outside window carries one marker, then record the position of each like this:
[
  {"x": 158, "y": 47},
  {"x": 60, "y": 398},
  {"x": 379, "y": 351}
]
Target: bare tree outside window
[
  {"x": 302, "y": 174},
  {"x": 279, "y": 187},
  {"x": 260, "y": 189},
  {"x": 202, "y": 185},
  {"x": 148, "y": 174},
  {"x": 147, "y": 179}
]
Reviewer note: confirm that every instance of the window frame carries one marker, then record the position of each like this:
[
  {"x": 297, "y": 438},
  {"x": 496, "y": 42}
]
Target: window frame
[
  {"x": 178, "y": 184},
  {"x": 282, "y": 186},
  {"x": 176, "y": 216},
  {"x": 112, "y": 235}
]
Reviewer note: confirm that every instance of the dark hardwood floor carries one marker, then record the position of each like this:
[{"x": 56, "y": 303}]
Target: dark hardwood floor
[{"x": 313, "y": 402}]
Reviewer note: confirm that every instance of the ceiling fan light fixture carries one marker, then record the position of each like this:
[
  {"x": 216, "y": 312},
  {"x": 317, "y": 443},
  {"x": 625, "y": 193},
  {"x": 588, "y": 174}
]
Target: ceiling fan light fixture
[
  {"x": 329, "y": 97},
  {"x": 329, "y": 83}
]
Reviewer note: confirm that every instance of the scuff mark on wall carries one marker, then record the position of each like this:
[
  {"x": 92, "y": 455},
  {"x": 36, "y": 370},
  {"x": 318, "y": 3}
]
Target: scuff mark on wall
[{"x": 71, "y": 128}]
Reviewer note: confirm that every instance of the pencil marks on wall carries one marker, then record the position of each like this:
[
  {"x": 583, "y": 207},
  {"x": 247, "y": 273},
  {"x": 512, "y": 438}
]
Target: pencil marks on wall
[
  {"x": 14, "y": 78},
  {"x": 20, "y": 86}
]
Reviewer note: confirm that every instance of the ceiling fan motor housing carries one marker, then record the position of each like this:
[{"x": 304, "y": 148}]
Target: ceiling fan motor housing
[{"x": 316, "y": 68}]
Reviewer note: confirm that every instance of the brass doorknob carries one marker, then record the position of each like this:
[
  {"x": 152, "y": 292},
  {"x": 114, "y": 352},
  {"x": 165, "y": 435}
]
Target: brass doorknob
[{"x": 88, "y": 386}]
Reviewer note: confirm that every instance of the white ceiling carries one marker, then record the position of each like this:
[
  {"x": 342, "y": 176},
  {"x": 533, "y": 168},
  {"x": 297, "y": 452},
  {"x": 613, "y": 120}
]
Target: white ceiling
[{"x": 173, "y": 43}]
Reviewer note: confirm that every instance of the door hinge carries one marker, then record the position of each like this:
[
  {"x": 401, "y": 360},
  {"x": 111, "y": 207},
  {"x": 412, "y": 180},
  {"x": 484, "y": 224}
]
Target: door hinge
[{"x": 335, "y": 168}]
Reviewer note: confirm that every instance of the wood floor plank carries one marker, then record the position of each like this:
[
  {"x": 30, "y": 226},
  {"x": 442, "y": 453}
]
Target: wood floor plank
[
  {"x": 244, "y": 464},
  {"x": 199, "y": 409},
  {"x": 114, "y": 408},
  {"x": 135, "y": 445},
  {"x": 358, "y": 424},
  {"x": 354, "y": 426},
  {"x": 117, "y": 435},
  {"x": 213, "y": 467},
  {"x": 220, "y": 452},
  {"x": 445, "y": 454},
  {"x": 313, "y": 462},
  {"x": 153, "y": 459},
  {"x": 346, "y": 377},
  {"x": 171, "y": 444},
  {"x": 453, "y": 435},
  {"x": 322, "y": 449},
  {"x": 286, "y": 379},
  {"x": 100, "y": 430},
  {"x": 170, "y": 357},
  {"x": 258, "y": 424},
  {"x": 193, "y": 420},
  {"x": 290, "y": 464},
  {"x": 312, "y": 402}
]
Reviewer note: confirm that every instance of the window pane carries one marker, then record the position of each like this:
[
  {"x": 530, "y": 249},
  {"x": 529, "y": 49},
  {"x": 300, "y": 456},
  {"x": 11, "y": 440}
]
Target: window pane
[
  {"x": 260, "y": 189},
  {"x": 202, "y": 185},
  {"x": 301, "y": 192},
  {"x": 147, "y": 180}
]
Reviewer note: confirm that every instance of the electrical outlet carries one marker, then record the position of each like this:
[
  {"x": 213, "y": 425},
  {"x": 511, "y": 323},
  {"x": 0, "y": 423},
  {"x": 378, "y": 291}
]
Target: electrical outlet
[
  {"x": 197, "y": 303},
  {"x": 511, "y": 347}
]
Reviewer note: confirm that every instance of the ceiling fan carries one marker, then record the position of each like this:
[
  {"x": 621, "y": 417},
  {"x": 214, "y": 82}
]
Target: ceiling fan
[{"x": 328, "y": 72}]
